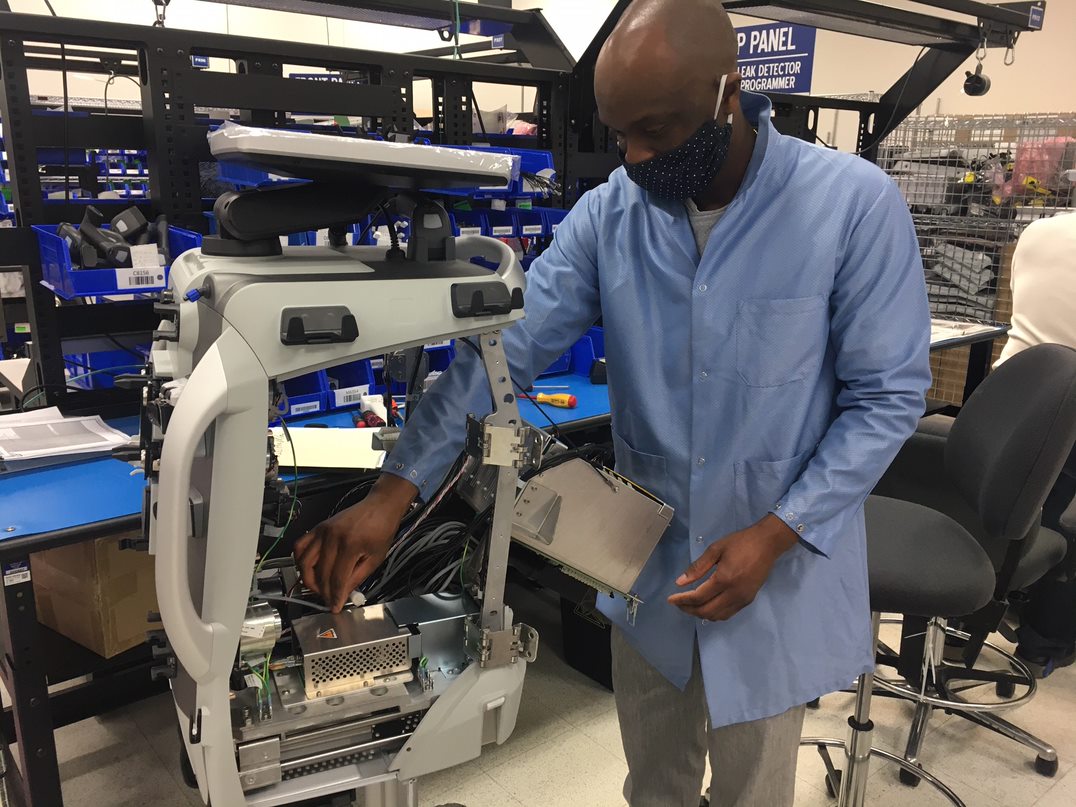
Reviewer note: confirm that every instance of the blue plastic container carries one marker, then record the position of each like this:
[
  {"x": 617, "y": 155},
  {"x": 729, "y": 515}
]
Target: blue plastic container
[
  {"x": 529, "y": 223},
  {"x": 502, "y": 224},
  {"x": 69, "y": 283},
  {"x": 587, "y": 350},
  {"x": 470, "y": 222},
  {"x": 348, "y": 382},
  {"x": 551, "y": 218},
  {"x": 307, "y": 394},
  {"x": 561, "y": 365}
]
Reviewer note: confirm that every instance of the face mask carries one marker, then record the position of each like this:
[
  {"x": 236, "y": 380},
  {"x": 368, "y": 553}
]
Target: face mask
[{"x": 689, "y": 169}]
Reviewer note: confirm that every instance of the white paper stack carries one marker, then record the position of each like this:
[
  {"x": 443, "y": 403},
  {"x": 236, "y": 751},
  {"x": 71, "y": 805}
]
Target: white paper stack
[{"x": 45, "y": 437}]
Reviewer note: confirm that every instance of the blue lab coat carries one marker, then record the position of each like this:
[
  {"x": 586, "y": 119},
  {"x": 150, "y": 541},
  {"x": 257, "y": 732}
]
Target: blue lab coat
[{"x": 780, "y": 371}]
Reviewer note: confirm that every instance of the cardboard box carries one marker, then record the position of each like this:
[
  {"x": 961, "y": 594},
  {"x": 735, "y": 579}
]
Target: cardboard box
[{"x": 96, "y": 594}]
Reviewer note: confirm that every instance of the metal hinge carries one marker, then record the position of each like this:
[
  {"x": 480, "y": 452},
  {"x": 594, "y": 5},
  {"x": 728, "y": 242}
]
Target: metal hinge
[
  {"x": 517, "y": 447},
  {"x": 498, "y": 648}
]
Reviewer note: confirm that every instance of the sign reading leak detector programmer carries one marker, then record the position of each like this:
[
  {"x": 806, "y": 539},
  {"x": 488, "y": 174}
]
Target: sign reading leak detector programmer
[{"x": 776, "y": 57}]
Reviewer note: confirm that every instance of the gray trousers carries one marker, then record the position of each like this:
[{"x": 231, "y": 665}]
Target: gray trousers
[{"x": 666, "y": 735}]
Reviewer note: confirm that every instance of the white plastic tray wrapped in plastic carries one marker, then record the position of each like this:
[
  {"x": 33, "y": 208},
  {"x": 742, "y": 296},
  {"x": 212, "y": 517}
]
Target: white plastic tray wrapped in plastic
[{"x": 327, "y": 158}]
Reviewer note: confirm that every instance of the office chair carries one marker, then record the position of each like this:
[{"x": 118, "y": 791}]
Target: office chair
[
  {"x": 990, "y": 470},
  {"x": 904, "y": 544}
]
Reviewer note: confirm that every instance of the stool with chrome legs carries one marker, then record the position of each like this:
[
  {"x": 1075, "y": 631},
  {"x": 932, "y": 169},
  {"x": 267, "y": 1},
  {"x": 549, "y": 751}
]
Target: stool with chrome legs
[
  {"x": 990, "y": 469},
  {"x": 905, "y": 577}
]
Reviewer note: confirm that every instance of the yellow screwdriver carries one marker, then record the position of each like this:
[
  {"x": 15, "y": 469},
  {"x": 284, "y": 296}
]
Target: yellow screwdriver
[{"x": 561, "y": 400}]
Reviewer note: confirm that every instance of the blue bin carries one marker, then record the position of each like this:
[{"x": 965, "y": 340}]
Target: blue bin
[
  {"x": 69, "y": 283},
  {"x": 470, "y": 222},
  {"x": 529, "y": 223},
  {"x": 348, "y": 382},
  {"x": 551, "y": 218},
  {"x": 587, "y": 350},
  {"x": 502, "y": 224},
  {"x": 307, "y": 394},
  {"x": 561, "y": 365}
]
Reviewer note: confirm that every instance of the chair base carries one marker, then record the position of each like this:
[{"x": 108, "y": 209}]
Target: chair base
[
  {"x": 944, "y": 674},
  {"x": 943, "y": 680},
  {"x": 834, "y": 776}
]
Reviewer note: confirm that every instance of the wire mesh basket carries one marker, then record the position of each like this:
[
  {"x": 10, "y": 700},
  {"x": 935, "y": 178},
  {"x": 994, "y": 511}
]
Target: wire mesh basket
[{"x": 973, "y": 183}]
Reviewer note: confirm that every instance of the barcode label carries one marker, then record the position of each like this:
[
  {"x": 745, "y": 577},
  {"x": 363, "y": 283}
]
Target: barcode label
[
  {"x": 470, "y": 231},
  {"x": 253, "y": 631},
  {"x": 532, "y": 229},
  {"x": 377, "y": 364},
  {"x": 351, "y": 395},
  {"x": 306, "y": 408},
  {"x": 252, "y": 681},
  {"x": 503, "y": 230},
  {"x": 139, "y": 278},
  {"x": 432, "y": 345},
  {"x": 16, "y": 572}
]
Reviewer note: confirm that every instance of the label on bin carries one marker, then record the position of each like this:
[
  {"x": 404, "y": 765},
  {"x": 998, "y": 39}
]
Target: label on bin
[
  {"x": 351, "y": 395},
  {"x": 145, "y": 256},
  {"x": 306, "y": 408},
  {"x": 139, "y": 278},
  {"x": 501, "y": 231},
  {"x": 532, "y": 229},
  {"x": 470, "y": 231},
  {"x": 16, "y": 572}
]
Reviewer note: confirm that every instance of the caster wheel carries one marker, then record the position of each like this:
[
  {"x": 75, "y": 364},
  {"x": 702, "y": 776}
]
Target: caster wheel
[
  {"x": 815, "y": 704},
  {"x": 830, "y": 783},
  {"x": 909, "y": 779},
  {"x": 1005, "y": 689},
  {"x": 1046, "y": 767}
]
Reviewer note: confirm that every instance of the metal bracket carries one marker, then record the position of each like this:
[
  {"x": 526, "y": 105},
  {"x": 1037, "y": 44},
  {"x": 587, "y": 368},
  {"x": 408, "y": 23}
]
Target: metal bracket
[
  {"x": 518, "y": 447},
  {"x": 498, "y": 648}
]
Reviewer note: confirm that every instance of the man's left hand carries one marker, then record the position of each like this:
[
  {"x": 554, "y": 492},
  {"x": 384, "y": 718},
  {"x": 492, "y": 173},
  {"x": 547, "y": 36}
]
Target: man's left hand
[{"x": 740, "y": 562}]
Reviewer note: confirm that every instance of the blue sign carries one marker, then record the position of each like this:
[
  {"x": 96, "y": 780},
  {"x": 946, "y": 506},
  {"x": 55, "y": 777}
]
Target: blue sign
[
  {"x": 200, "y": 62},
  {"x": 334, "y": 78},
  {"x": 776, "y": 57},
  {"x": 498, "y": 42},
  {"x": 1035, "y": 16}
]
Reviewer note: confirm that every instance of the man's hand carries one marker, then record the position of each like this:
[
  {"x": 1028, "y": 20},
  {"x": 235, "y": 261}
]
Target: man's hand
[
  {"x": 740, "y": 562},
  {"x": 339, "y": 553}
]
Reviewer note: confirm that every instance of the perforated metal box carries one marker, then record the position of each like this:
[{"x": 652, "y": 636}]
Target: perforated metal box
[{"x": 362, "y": 647}]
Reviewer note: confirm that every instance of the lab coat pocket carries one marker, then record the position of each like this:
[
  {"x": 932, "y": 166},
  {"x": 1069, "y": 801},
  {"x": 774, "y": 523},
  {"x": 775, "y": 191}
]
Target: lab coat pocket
[
  {"x": 779, "y": 341},
  {"x": 648, "y": 471},
  {"x": 761, "y": 484}
]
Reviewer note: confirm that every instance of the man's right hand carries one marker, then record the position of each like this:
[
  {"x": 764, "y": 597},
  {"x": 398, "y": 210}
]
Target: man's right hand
[{"x": 341, "y": 552}]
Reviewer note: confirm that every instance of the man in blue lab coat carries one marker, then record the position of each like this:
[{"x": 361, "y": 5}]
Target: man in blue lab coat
[{"x": 767, "y": 336}]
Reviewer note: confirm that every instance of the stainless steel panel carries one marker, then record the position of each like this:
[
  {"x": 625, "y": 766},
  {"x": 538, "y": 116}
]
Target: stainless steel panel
[{"x": 599, "y": 525}]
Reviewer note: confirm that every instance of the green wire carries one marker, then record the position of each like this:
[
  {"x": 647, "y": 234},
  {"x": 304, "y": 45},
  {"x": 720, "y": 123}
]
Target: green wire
[{"x": 294, "y": 500}]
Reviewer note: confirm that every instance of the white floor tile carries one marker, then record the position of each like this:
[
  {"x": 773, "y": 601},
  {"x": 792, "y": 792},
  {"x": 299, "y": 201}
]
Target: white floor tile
[
  {"x": 1062, "y": 794},
  {"x": 569, "y": 772}
]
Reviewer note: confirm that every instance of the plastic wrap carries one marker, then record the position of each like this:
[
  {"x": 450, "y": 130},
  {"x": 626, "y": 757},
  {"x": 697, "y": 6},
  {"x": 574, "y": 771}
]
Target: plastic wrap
[{"x": 305, "y": 155}]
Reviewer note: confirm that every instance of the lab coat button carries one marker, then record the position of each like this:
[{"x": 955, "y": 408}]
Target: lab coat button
[
  {"x": 702, "y": 288},
  {"x": 704, "y": 375},
  {"x": 702, "y": 460},
  {"x": 698, "y": 540}
]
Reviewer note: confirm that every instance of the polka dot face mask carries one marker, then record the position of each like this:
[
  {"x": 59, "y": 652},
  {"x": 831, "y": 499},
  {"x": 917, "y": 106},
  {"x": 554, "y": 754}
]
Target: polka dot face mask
[{"x": 690, "y": 168}]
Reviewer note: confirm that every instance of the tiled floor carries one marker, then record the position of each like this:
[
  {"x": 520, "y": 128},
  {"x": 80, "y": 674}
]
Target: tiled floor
[{"x": 566, "y": 750}]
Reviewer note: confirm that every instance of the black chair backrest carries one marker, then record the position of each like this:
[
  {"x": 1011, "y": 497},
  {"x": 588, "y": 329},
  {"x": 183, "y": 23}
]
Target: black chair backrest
[{"x": 1012, "y": 437}]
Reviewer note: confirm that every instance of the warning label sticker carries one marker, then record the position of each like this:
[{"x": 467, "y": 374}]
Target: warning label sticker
[{"x": 328, "y": 634}]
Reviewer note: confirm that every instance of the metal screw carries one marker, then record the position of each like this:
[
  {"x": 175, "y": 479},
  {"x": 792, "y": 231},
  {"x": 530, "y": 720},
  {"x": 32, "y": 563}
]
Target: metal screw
[
  {"x": 35, "y": 701},
  {"x": 40, "y": 753},
  {"x": 179, "y": 52}
]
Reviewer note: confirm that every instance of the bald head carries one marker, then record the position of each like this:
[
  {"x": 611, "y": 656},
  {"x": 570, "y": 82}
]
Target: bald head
[{"x": 661, "y": 67}]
